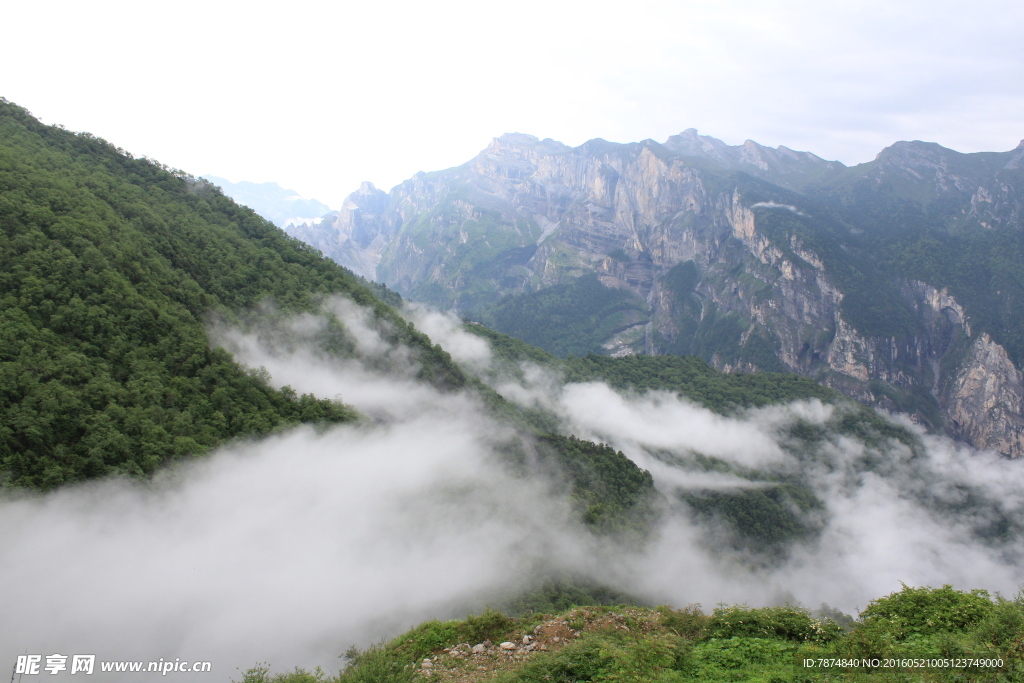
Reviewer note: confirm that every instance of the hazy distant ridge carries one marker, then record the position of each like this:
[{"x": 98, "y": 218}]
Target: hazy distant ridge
[{"x": 278, "y": 205}]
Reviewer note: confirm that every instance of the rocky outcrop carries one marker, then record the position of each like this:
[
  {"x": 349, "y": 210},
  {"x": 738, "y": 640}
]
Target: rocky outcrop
[
  {"x": 351, "y": 236},
  {"x": 986, "y": 399},
  {"x": 780, "y": 166},
  {"x": 527, "y": 214}
]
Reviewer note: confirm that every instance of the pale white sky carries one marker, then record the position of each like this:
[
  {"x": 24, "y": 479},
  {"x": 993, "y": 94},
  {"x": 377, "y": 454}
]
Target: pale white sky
[{"x": 319, "y": 96}]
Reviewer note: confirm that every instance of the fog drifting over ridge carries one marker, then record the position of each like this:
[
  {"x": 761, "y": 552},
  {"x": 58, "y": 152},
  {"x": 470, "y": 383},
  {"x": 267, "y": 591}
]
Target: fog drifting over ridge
[{"x": 292, "y": 548}]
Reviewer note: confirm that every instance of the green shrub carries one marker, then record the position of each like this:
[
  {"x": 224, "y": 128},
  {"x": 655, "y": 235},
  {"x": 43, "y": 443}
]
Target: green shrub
[
  {"x": 261, "y": 674},
  {"x": 926, "y": 611},
  {"x": 434, "y": 635},
  {"x": 609, "y": 658},
  {"x": 491, "y": 625},
  {"x": 1004, "y": 625},
  {"x": 584, "y": 660},
  {"x": 425, "y": 638},
  {"x": 736, "y": 653},
  {"x": 642, "y": 658},
  {"x": 377, "y": 664},
  {"x": 789, "y": 623},
  {"x": 690, "y": 622}
]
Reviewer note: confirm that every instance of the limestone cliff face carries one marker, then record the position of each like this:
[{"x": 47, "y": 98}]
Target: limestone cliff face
[
  {"x": 986, "y": 399},
  {"x": 526, "y": 214},
  {"x": 351, "y": 235}
]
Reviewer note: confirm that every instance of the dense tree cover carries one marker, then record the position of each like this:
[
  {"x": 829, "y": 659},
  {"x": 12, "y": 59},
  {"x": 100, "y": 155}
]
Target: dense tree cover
[
  {"x": 686, "y": 375},
  {"x": 696, "y": 380},
  {"x": 511, "y": 349},
  {"x": 984, "y": 269},
  {"x": 873, "y": 230},
  {"x": 555, "y": 595},
  {"x": 607, "y": 487},
  {"x": 572, "y": 318},
  {"x": 764, "y": 518},
  {"x": 108, "y": 267},
  {"x": 733, "y": 643}
]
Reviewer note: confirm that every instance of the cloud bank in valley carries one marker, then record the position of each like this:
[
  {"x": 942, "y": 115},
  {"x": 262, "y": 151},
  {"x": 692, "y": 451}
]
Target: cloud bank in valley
[{"x": 290, "y": 549}]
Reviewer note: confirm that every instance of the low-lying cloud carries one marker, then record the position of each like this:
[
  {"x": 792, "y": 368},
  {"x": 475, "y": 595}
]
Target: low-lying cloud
[{"x": 291, "y": 548}]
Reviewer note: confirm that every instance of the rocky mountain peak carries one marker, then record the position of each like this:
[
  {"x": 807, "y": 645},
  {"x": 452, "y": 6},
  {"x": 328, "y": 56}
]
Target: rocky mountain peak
[
  {"x": 690, "y": 143},
  {"x": 1016, "y": 158},
  {"x": 782, "y": 166},
  {"x": 514, "y": 140},
  {"x": 518, "y": 144},
  {"x": 367, "y": 197},
  {"x": 908, "y": 154}
]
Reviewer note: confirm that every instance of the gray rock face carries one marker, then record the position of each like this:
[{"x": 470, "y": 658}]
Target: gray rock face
[
  {"x": 986, "y": 399},
  {"x": 526, "y": 214}
]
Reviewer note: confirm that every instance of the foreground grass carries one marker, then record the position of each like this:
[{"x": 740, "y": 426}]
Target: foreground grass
[{"x": 916, "y": 634}]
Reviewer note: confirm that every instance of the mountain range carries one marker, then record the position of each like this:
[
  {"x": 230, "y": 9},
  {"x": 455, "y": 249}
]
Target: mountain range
[
  {"x": 899, "y": 282},
  {"x": 278, "y": 205}
]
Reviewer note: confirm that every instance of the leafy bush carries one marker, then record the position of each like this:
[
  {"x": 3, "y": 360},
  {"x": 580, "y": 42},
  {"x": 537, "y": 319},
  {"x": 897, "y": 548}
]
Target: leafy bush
[
  {"x": 434, "y": 635},
  {"x": 788, "y": 623},
  {"x": 425, "y": 638},
  {"x": 1004, "y": 625},
  {"x": 641, "y": 658},
  {"x": 584, "y": 660},
  {"x": 737, "y": 653},
  {"x": 927, "y": 611},
  {"x": 734, "y": 643},
  {"x": 377, "y": 664},
  {"x": 261, "y": 674},
  {"x": 689, "y": 622},
  {"x": 489, "y": 625},
  {"x": 606, "y": 658}
]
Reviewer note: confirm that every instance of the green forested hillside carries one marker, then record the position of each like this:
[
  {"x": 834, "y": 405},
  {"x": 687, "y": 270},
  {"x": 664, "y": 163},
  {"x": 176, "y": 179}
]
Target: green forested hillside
[
  {"x": 108, "y": 266},
  {"x": 609, "y": 489},
  {"x": 686, "y": 375},
  {"x": 697, "y": 380},
  {"x": 921, "y": 211},
  {"x": 573, "y": 318}
]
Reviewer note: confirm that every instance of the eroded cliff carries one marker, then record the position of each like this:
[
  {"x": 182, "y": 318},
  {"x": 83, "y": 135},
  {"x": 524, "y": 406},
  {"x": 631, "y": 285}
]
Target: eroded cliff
[{"x": 748, "y": 256}]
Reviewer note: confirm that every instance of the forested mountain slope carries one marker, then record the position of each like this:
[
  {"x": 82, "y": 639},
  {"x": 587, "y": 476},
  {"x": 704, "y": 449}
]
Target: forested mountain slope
[
  {"x": 898, "y": 282},
  {"x": 109, "y": 266}
]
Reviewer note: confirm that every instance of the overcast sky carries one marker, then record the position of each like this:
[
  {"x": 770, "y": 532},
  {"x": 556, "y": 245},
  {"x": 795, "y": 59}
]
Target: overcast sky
[{"x": 319, "y": 96}]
